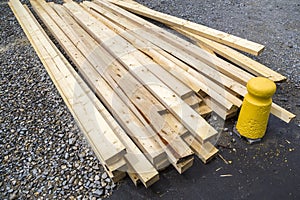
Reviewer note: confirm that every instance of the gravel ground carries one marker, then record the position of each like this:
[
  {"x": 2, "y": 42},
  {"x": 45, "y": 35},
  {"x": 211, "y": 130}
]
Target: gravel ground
[
  {"x": 44, "y": 155},
  {"x": 42, "y": 152}
]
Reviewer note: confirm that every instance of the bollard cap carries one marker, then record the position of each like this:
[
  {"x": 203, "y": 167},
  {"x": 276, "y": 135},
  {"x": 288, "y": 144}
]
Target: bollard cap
[{"x": 261, "y": 87}]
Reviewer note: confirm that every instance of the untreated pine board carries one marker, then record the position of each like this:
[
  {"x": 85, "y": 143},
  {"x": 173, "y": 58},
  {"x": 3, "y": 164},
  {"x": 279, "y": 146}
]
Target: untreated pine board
[
  {"x": 112, "y": 170},
  {"x": 117, "y": 170},
  {"x": 204, "y": 151},
  {"x": 180, "y": 47},
  {"x": 121, "y": 109},
  {"x": 234, "y": 56},
  {"x": 118, "y": 46},
  {"x": 133, "y": 178},
  {"x": 154, "y": 52},
  {"x": 108, "y": 138},
  {"x": 215, "y": 75},
  {"x": 193, "y": 101},
  {"x": 146, "y": 173},
  {"x": 150, "y": 107},
  {"x": 185, "y": 165},
  {"x": 205, "y": 48},
  {"x": 173, "y": 83},
  {"x": 201, "y": 83},
  {"x": 219, "y": 36},
  {"x": 204, "y": 110}
]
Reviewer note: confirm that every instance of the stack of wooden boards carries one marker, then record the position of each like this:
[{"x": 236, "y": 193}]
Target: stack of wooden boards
[{"x": 140, "y": 93}]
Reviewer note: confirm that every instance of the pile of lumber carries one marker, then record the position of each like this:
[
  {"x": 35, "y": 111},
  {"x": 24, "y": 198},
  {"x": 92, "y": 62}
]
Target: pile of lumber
[{"x": 139, "y": 93}]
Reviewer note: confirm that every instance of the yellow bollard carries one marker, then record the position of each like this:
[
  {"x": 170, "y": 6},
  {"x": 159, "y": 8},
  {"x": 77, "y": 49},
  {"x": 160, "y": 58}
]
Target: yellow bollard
[{"x": 253, "y": 118}]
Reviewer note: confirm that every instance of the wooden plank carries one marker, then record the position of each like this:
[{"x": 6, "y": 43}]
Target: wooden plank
[
  {"x": 163, "y": 165},
  {"x": 114, "y": 169},
  {"x": 236, "y": 57},
  {"x": 182, "y": 167},
  {"x": 114, "y": 148},
  {"x": 112, "y": 100},
  {"x": 134, "y": 178},
  {"x": 220, "y": 81},
  {"x": 203, "y": 110},
  {"x": 231, "y": 84},
  {"x": 218, "y": 109},
  {"x": 146, "y": 172},
  {"x": 193, "y": 101},
  {"x": 139, "y": 133},
  {"x": 177, "y": 125},
  {"x": 281, "y": 113},
  {"x": 218, "y": 36},
  {"x": 150, "y": 111},
  {"x": 118, "y": 46},
  {"x": 187, "y": 80},
  {"x": 118, "y": 177},
  {"x": 205, "y": 151},
  {"x": 204, "y": 47}
]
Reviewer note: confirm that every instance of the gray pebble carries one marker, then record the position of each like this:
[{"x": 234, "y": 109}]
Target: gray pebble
[
  {"x": 13, "y": 196},
  {"x": 98, "y": 192},
  {"x": 71, "y": 141},
  {"x": 104, "y": 175},
  {"x": 108, "y": 180},
  {"x": 97, "y": 178}
]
